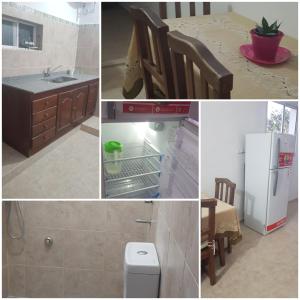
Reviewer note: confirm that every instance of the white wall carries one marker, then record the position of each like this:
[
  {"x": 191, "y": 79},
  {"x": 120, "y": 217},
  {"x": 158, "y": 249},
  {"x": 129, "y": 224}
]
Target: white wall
[
  {"x": 285, "y": 12},
  {"x": 63, "y": 10},
  {"x": 223, "y": 129},
  {"x": 59, "y": 9},
  {"x": 91, "y": 18},
  {"x": 224, "y": 126}
]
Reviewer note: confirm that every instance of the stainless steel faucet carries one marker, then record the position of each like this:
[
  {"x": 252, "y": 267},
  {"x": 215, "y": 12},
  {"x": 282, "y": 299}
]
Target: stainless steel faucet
[{"x": 46, "y": 72}]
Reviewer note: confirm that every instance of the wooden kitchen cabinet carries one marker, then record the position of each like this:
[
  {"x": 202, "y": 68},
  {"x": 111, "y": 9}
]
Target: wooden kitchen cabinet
[
  {"x": 32, "y": 121},
  {"x": 71, "y": 107},
  {"x": 92, "y": 98},
  {"x": 64, "y": 111},
  {"x": 80, "y": 97}
]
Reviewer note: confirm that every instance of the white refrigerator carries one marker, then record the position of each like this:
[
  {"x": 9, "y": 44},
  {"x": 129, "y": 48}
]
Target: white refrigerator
[
  {"x": 160, "y": 149},
  {"x": 268, "y": 161}
]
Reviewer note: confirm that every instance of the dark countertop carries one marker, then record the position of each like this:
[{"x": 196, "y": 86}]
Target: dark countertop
[{"x": 37, "y": 83}]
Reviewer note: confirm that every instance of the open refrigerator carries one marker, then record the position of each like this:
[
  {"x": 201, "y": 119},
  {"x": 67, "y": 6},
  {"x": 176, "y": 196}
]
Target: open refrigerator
[{"x": 160, "y": 150}]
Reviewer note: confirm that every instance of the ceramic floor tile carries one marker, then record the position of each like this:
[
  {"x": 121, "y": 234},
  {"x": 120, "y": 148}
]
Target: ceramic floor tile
[
  {"x": 70, "y": 170},
  {"x": 260, "y": 266}
]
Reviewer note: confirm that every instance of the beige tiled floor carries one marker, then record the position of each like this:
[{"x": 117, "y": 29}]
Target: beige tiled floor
[
  {"x": 260, "y": 266},
  {"x": 67, "y": 168},
  {"x": 91, "y": 126}
]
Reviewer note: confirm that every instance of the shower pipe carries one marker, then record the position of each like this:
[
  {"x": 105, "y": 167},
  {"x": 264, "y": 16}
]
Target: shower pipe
[{"x": 20, "y": 219}]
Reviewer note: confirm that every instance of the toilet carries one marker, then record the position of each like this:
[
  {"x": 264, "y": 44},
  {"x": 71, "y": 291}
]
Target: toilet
[{"x": 141, "y": 271}]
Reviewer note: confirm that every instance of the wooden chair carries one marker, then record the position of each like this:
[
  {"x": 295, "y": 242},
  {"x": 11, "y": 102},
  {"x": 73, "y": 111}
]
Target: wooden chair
[
  {"x": 208, "y": 239},
  {"x": 155, "y": 59},
  {"x": 164, "y": 14},
  {"x": 215, "y": 80},
  {"x": 224, "y": 191}
]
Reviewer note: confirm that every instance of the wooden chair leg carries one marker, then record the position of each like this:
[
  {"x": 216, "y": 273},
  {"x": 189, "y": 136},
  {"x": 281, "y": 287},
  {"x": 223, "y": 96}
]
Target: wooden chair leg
[
  {"x": 229, "y": 246},
  {"x": 221, "y": 250},
  {"x": 211, "y": 269}
]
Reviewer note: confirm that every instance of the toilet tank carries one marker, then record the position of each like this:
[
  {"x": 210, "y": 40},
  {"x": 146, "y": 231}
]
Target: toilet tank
[{"x": 141, "y": 271}]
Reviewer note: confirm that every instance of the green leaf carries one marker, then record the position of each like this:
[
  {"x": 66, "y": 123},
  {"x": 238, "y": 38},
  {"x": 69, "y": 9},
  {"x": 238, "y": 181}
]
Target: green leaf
[{"x": 265, "y": 24}]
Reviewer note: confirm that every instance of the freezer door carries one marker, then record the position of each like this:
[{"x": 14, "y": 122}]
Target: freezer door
[
  {"x": 282, "y": 150},
  {"x": 277, "y": 198}
]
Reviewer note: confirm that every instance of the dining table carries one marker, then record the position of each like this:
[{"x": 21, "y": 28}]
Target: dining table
[
  {"x": 223, "y": 34},
  {"x": 226, "y": 220}
]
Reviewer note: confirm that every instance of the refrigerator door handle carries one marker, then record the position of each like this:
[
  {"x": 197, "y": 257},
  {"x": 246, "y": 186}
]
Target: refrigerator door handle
[
  {"x": 275, "y": 184},
  {"x": 278, "y": 152}
]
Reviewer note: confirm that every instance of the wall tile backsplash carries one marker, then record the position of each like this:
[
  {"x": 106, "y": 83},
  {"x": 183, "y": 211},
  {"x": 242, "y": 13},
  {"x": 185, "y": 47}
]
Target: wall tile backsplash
[{"x": 64, "y": 43}]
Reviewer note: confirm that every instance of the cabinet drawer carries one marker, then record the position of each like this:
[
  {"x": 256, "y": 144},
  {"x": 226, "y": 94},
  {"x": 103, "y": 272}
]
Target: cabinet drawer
[
  {"x": 44, "y": 103},
  {"x": 43, "y": 115},
  {"x": 43, "y": 126},
  {"x": 42, "y": 139}
]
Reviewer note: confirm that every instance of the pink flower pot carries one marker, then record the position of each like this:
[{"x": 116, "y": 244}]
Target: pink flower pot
[{"x": 265, "y": 47}]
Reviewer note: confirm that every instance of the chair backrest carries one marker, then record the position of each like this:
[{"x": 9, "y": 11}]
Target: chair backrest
[
  {"x": 163, "y": 10},
  {"x": 188, "y": 54},
  {"x": 210, "y": 230},
  {"x": 154, "y": 53},
  {"x": 224, "y": 190}
]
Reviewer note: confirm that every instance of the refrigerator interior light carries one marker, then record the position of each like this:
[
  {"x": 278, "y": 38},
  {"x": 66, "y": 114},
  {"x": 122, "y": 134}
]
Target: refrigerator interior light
[{"x": 141, "y": 129}]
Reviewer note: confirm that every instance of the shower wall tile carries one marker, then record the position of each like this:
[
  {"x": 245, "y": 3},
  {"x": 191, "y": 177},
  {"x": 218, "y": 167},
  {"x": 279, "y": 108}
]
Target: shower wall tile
[
  {"x": 44, "y": 282},
  {"x": 113, "y": 283},
  {"x": 86, "y": 258},
  {"x": 4, "y": 235},
  {"x": 85, "y": 215},
  {"x": 49, "y": 214},
  {"x": 16, "y": 251},
  {"x": 174, "y": 270},
  {"x": 176, "y": 240},
  {"x": 83, "y": 283},
  {"x": 17, "y": 281},
  {"x": 4, "y": 282},
  {"x": 38, "y": 253},
  {"x": 190, "y": 288},
  {"x": 84, "y": 249},
  {"x": 162, "y": 240},
  {"x": 192, "y": 254},
  {"x": 122, "y": 216},
  {"x": 180, "y": 224}
]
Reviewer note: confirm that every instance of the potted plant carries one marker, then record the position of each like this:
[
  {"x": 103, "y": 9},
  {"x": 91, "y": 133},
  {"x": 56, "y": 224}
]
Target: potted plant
[{"x": 266, "y": 39}]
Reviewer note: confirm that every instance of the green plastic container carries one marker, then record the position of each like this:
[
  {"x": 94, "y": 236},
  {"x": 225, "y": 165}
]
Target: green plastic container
[{"x": 113, "y": 151}]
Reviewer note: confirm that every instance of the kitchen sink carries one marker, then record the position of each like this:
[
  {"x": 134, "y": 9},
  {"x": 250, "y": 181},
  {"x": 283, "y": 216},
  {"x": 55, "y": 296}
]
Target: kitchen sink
[{"x": 61, "y": 79}]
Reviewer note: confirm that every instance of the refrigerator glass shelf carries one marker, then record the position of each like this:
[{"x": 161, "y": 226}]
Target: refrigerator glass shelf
[
  {"x": 133, "y": 151},
  {"x": 146, "y": 185}
]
